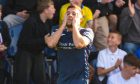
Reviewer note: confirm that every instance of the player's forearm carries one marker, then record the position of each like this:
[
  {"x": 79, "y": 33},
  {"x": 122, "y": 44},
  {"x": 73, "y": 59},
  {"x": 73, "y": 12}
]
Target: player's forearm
[
  {"x": 78, "y": 39},
  {"x": 53, "y": 39}
]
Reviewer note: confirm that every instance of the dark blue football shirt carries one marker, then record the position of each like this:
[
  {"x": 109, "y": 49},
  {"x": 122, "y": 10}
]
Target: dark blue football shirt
[{"x": 73, "y": 64}]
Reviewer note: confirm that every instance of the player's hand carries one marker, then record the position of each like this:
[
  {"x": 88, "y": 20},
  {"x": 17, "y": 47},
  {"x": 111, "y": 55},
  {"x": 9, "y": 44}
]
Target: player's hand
[
  {"x": 76, "y": 21},
  {"x": 65, "y": 20}
]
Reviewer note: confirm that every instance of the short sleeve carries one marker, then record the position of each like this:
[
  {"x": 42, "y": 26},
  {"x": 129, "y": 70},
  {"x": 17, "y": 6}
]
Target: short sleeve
[
  {"x": 89, "y": 34},
  {"x": 100, "y": 60}
]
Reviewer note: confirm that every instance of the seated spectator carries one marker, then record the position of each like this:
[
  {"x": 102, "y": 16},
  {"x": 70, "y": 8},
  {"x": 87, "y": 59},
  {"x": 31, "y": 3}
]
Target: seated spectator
[
  {"x": 130, "y": 27},
  {"x": 4, "y": 43},
  {"x": 128, "y": 74},
  {"x": 113, "y": 5},
  {"x": 86, "y": 20},
  {"x": 17, "y": 11},
  {"x": 110, "y": 59},
  {"x": 106, "y": 21}
]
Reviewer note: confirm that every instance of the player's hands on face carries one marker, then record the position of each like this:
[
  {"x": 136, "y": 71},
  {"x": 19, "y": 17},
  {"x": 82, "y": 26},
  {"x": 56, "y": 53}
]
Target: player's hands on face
[
  {"x": 76, "y": 19},
  {"x": 65, "y": 20}
]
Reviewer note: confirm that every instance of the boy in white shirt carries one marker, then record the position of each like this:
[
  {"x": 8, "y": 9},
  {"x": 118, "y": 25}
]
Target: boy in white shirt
[
  {"x": 128, "y": 75},
  {"x": 110, "y": 59}
]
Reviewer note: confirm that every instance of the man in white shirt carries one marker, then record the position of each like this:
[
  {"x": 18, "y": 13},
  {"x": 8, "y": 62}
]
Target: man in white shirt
[
  {"x": 128, "y": 74},
  {"x": 110, "y": 59}
]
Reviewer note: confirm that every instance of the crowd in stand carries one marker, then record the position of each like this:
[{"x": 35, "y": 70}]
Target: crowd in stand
[{"x": 92, "y": 41}]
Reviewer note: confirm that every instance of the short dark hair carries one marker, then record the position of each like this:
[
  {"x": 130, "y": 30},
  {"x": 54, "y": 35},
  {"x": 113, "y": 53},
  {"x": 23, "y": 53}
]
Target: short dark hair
[
  {"x": 43, "y": 4},
  {"x": 118, "y": 33},
  {"x": 132, "y": 60}
]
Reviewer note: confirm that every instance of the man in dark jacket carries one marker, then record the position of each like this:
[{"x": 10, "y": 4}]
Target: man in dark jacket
[{"x": 29, "y": 59}]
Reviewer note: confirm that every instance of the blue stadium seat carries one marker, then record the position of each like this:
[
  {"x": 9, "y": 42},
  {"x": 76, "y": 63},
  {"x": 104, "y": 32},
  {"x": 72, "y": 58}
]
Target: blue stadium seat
[{"x": 137, "y": 53}]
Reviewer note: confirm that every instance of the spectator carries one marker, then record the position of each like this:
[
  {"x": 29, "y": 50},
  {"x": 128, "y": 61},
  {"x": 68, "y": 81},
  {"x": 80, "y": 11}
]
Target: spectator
[
  {"x": 73, "y": 44},
  {"x": 130, "y": 27},
  {"x": 17, "y": 11},
  {"x": 29, "y": 59},
  {"x": 127, "y": 75},
  {"x": 106, "y": 21},
  {"x": 110, "y": 59},
  {"x": 86, "y": 12},
  {"x": 4, "y": 43}
]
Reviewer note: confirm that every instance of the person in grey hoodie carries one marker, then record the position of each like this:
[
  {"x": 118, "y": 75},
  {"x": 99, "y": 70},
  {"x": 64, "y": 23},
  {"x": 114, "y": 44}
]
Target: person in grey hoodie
[{"x": 130, "y": 26}]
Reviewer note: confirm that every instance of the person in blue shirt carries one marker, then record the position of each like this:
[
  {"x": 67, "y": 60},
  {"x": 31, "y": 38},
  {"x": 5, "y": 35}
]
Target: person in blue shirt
[{"x": 73, "y": 44}]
